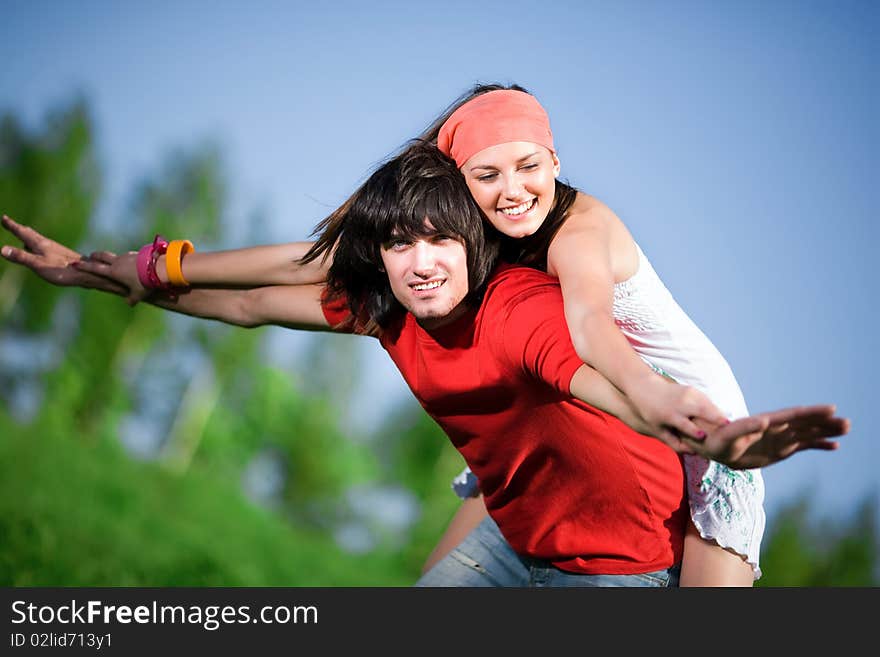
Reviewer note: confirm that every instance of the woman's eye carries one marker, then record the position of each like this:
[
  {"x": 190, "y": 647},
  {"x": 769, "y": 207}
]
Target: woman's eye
[
  {"x": 487, "y": 177},
  {"x": 530, "y": 166}
]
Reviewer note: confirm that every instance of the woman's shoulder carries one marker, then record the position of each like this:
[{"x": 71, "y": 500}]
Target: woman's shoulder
[
  {"x": 590, "y": 212},
  {"x": 589, "y": 218},
  {"x": 588, "y": 205}
]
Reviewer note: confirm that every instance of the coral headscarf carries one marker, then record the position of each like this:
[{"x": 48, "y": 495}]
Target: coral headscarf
[{"x": 495, "y": 117}]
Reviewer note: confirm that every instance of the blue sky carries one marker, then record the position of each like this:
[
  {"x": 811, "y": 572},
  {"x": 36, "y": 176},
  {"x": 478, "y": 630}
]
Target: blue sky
[{"x": 737, "y": 140}]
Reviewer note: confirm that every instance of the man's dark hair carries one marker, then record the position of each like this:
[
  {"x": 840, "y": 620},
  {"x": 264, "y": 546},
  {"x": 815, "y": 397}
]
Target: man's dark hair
[{"x": 397, "y": 201}]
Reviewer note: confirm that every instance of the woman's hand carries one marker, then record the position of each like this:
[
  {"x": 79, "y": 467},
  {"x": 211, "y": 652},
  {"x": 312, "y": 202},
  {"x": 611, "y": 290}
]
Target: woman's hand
[
  {"x": 119, "y": 268},
  {"x": 670, "y": 410},
  {"x": 53, "y": 262}
]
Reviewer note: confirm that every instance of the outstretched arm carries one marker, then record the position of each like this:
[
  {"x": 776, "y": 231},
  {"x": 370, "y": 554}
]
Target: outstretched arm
[
  {"x": 277, "y": 264},
  {"x": 293, "y": 306},
  {"x": 589, "y": 248},
  {"x": 750, "y": 442}
]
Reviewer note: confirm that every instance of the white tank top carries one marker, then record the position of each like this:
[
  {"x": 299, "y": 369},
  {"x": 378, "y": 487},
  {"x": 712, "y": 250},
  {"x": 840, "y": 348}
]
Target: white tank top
[
  {"x": 662, "y": 334},
  {"x": 726, "y": 505}
]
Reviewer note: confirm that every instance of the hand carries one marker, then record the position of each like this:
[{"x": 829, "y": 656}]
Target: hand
[
  {"x": 761, "y": 440},
  {"x": 52, "y": 261},
  {"x": 670, "y": 411},
  {"x": 119, "y": 268}
]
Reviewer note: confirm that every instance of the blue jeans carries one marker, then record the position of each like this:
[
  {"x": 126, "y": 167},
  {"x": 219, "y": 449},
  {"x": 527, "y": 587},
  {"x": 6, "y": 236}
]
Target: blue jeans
[{"x": 484, "y": 559}]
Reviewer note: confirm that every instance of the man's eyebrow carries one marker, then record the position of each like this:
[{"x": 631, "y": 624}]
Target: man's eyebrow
[{"x": 522, "y": 159}]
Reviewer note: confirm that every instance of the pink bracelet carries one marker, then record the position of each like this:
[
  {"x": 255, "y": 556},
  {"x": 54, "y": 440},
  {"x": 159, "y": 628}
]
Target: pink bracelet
[{"x": 147, "y": 257}]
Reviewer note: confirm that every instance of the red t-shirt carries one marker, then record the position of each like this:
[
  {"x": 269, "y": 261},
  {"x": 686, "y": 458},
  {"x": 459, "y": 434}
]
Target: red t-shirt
[{"x": 564, "y": 481}]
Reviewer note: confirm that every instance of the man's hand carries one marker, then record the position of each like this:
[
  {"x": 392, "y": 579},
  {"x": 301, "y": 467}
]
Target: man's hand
[
  {"x": 52, "y": 261},
  {"x": 761, "y": 440}
]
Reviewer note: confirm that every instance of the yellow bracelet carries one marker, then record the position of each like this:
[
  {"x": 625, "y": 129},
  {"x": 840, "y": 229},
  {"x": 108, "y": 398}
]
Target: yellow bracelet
[{"x": 174, "y": 261}]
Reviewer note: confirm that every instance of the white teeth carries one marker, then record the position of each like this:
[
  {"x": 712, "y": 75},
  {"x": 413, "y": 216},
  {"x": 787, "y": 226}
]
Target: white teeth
[
  {"x": 427, "y": 286},
  {"x": 519, "y": 209}
]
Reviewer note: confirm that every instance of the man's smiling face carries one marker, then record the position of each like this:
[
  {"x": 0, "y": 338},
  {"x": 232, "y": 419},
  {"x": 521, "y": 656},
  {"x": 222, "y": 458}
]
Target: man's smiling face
[{"x": 428, "y": 276}]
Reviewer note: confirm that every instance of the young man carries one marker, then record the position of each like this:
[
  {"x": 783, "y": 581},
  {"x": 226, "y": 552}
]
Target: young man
[{"x": 579, "y": 496}]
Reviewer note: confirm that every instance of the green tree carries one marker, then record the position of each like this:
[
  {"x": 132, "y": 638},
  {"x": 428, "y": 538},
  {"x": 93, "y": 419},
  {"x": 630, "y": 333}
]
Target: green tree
[
  {"x": 76, "y": 508},
  {"x": 801, "y": 550}
]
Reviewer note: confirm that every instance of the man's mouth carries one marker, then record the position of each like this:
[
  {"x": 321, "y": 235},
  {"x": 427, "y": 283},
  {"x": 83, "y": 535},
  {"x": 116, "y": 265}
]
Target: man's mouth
[
  {"x": 427, "y": 285},
  {"x": 520, "y": 209}
]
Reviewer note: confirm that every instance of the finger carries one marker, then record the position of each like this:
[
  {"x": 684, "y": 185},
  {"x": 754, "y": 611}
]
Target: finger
[
  {"x": 20, "y": 256},
  {"x": 775, "y": 429},
  {"x": 821, "y": 445},
  {"x": 10, "y": 224},
  {"x": 675, "y": 442},
  {"x": 824, "y": 445},
  {"x": 26, "y": 234},
  {"x": 110, "y": 286},
  {"x": 92, "y": 267},
  {"x": 36, "y": 242},
  {"x": 824, "y": 427},
  {"x": 691, "y": 446},
  {"x": 103, "y": 256},
  {"x": 800, "y": 413},
  {"x": 837, "y": 424},
  {"x": 686, "y": 427},
  {"x": 818, "y": 433},
  {"x": 709, "y": 412},
  {"x": 7, "y": 223},
  {"x": 743, "y": 426},
  {"x": 742, "y": 444}
]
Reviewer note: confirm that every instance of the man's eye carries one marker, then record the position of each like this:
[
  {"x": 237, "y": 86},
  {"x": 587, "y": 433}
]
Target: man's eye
[{"x": 395, "y": 244}]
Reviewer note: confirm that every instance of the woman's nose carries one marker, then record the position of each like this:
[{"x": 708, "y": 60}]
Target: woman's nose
[{"x": 513, "y": 186}]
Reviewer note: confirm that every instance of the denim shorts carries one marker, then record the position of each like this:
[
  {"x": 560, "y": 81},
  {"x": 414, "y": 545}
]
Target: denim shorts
[{"x": 484, "y": 559}]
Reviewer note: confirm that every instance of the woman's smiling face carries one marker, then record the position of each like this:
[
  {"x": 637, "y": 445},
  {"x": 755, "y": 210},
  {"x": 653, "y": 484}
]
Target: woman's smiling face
[{"x": 514, "y": 184}]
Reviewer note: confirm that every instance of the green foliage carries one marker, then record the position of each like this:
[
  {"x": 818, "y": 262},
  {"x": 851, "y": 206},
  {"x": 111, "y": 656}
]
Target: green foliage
[
  {"x": 187, "y": 197},
  {"x": 75, "y": 513},
  {"x": 77, "y": 509},
  {"x": 802, "y": 551},
  {"x": 421, "y": 457}
]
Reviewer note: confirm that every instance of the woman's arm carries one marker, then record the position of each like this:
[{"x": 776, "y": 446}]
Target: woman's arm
[
  {"x": 750, "y": 442},
  {"x": 589, "y": 248},
  {"x": 292, "y": 306},
  {"x": 278, "y": 264}
]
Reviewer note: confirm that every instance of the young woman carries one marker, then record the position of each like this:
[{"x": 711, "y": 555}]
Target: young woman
[{"x": 621, "y": 318}]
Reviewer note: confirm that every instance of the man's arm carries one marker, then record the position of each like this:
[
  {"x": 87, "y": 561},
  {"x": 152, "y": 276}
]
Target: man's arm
[{"x": 290, "y": 306}]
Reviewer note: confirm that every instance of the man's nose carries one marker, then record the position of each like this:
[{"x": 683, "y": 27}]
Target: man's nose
[{"x": 424, "y": 259}]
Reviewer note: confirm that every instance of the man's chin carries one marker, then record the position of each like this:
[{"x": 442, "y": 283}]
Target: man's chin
[
  {"x": 431, "y": 317},
  {"x": 426, "y": 318}
]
